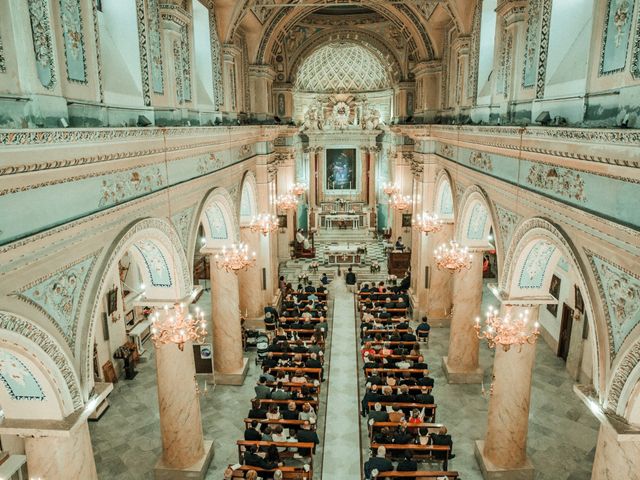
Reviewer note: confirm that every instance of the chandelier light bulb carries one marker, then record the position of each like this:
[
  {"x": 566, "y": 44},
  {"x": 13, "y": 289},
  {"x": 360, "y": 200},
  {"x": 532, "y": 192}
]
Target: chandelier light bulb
[
  {"x": 453, "y": 257},
  {"x": 427, "y": 223},
  {"x": 390, "y": 189},
  {"x": 287, "y": 202},
  {"x": 401, "y": 202},
  {"x": 298, "y": 188}
]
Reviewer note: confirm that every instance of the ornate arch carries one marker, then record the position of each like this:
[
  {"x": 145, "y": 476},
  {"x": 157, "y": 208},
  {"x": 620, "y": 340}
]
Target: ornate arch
[
  {"x": 368, "y": 40},
  {"x": 473, "y": 223},
  {"x": 219, "y": 217},
  {"x": 626, "y": 375},
  {"x": 164, "y": 237},
  {"x": 529, "y": 235},
  {"x": 29, "y": 348}
]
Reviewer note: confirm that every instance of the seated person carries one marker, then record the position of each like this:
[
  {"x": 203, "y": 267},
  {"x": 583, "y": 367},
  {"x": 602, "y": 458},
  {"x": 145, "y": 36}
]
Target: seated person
[
  {"x": 406, "y": 282},
  {"x": 302, "y": 240},
  {"x": 291, "y": 413},
  {"x": 426, "y": 380},
  {"x": 324, "y": 280},
  {"x": 378, "y": 414},
  {"x": 252, "y": 432},
  {"x": 408, "y": 336},
  {"x": 383, "y": 436},
  {"x": 423, "y": 329},
  {"x": 379, "y": 463},
  {"x": 407, "y": 464},
  {"x": 425, "y": 397},
  {"x": 399, "y": 244},
  {"x": 269, "y": 322},
  {"x": 279, "y": 393},
  {"x": 310, "y": 289},
  {"x": 306, "y": 435},
  {"x": 252, "y": 459},
  {"x": 261, "y": 389},
  {"x": 364, "y": 288},
  {"x": 421, "y": 364},
  {"x": 442, "y": 438},
  {"x": 256, "y": 410}
]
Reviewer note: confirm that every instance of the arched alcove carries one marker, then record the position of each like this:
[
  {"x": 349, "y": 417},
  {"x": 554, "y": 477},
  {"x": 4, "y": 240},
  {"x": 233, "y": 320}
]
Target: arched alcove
[
  {"x": 248, "y": 198},
  {"x": 443, "y": 201}
]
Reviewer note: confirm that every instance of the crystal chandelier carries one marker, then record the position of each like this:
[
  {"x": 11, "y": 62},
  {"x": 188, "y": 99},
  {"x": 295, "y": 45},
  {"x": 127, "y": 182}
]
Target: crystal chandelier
[
  {"x": 390, "y": 189},
  {"x": 177, "y": 326},
  {"x": 427, "y": 223},
  {"x": 401, "y": 202},
  {"x": 287, "y": 202},
  {"x": 507, "y": 331},
  {"x": 236, "y": 258},
  {"x": 298, "y": 188},
  {"x": 452, "y": 257},
  {"x": 264, "y": 223}
]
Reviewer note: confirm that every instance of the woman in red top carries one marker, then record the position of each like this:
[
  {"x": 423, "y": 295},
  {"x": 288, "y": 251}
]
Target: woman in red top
[{"x": 367, "y": 350}]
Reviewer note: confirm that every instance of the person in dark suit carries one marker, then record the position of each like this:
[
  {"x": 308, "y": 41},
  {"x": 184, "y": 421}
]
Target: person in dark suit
[
  {"x": 374, "y": 379},
  {"x": 378, "y": 414},
  {"x": 371, "y": 395},
  {"x": 424, "y": 396},
  {"x": 406, "y": 282},
  {"x": 379, "y": 463},
  {"x": 252, "y": 459},
  {"x": 426, "y": 380},
  {"x": 442, "y": 438},
  {"x": 310, "y": 288},
  {"x": 261, "y": 389},
  {"x": 407, "y": 464},
  {"x": 306, "y": 435},
  {"x": 256, "y": 410},
  {"x": 291, "y": 413},
  {"x": 402, "y": 436},
  {"x": 423, "y": 329},
  {"x": 350, "y": 277},
  {"x": 399, "y": 244},
  {"x": 421, "y": 364},
  {"x": 252, "y": 432},
  {"x": 409, "y": 336}
]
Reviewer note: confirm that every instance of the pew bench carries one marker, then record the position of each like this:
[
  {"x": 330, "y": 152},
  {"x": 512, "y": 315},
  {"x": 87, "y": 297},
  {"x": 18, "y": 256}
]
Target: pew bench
[
  {"x": 409, "y": 405},
  {"x": 418, "y": 475},
  {"x": 420, "y": 452},
  {"x": 288, "y": 473},
  {"x": 243, "y": 444},
  {"x": 282, "y": 422},
  {"x": 308, "y": 372}
]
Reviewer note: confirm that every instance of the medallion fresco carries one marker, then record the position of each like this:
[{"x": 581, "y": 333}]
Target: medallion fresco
[
  {"x": 18, "y": 380},
  {"x": 71, "y": 17},
  {"x": 617, "y": 28},
  {"x": 42, "y": 43},
  {"x": 620, "y": 291},
  {"x": 535, "y": 265},
  {"x": 155, "y": 262},
  {"x": 59, "y": 296}
]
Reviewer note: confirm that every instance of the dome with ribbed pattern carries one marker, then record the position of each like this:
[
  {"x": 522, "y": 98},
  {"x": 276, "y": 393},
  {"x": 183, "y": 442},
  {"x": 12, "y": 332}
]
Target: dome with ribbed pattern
[{"x": 342, "y": 67}]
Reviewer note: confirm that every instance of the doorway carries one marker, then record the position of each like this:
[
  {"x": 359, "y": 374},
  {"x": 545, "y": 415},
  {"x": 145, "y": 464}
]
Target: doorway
[{"x": 565, "y": 332}]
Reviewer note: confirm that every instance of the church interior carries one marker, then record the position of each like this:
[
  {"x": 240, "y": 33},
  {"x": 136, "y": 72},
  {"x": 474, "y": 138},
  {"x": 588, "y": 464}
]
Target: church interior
[{"x": 319, "y": 239}]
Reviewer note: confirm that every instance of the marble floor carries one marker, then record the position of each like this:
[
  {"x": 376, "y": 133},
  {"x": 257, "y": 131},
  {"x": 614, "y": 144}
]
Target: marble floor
[{"x": 562, "y": 431}]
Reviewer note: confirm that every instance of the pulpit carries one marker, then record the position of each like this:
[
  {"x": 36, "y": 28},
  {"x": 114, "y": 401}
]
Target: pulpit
[{"x": 398, "y": 262}]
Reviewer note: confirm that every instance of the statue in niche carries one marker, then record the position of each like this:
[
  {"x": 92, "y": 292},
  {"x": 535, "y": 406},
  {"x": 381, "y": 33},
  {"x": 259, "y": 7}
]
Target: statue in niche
[
  {"x": 371, "y": 118},
  {"x": 313, "y": 118}
]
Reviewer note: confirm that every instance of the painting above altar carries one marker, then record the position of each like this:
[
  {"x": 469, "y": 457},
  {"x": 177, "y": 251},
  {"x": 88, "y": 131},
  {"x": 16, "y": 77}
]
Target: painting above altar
[{"x": 341, "y": 168}]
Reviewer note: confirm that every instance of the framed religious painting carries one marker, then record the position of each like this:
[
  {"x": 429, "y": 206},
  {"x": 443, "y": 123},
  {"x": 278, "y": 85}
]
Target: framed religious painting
[
  {"x": 282, "y": 221},
  {"x": 579, "y": 303},
  {"x": 340, "y": 169},
  {"x": 554, "y": 289},
  {"x": 406, "y": 220},
  {"x": 112, "y": 300}
]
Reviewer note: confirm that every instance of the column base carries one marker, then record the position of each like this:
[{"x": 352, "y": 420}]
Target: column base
[
  {"x": 462, "y": 376},
  {"x": 233, "y": 378},
  {"x": 493, "y": 472},
  {"x": 197, "y": 471}
]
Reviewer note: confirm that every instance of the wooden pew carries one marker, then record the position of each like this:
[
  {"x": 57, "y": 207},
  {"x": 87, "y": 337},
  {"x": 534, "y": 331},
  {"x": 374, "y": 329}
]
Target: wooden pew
[
  {"x": 302, "y": 332},
  {"x": 299, "y": 403},
  {"x": 308, "y": 372},
  {"x": 383, "y": 372},
  {"x": 418, "y": 475},
  {"x": 410, "y": 426},
  {"x": 392, "y": 343},
  {"x": 243, "y": 444},
  {"x": 288, "y": 386},
  {"x": 288, "y": 473},
  {"x": 412, "y": 405},
  {"x": 420, "y": 452},
  {"x": 284, "y": 423},
  {"x": 379, "y": 356}
]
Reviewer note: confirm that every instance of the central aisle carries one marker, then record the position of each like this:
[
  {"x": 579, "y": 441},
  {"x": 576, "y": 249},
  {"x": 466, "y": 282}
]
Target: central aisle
[{"x": 342, "y": 431}]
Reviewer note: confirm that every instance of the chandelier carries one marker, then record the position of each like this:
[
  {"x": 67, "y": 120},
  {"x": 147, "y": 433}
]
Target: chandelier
[
  {"x": 287, "y": 202},
  {"x": 401, "y": 202},
  {"x": 264, "y": 223},
  {"x": 452, "y": 257},
  {"x": 427, "y": 223},
  {"x": 236, "y": 258},
  {"x": 298, "y": 188},
  {"x": 507, "y": 331},
  {"x": 390, "y": 189},
  {"x": 177, "y": 326}
]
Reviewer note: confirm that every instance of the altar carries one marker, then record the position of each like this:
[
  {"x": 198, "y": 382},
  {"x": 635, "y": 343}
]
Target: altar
[
  {"x": 352, "y": 221},
  {"x": 344, "y": 254}
]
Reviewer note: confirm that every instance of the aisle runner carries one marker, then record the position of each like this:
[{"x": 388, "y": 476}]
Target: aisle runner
[{"x": 342, "y": 432}]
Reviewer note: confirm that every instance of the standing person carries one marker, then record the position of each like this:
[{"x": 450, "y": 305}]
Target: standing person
[
  {"x": 399, "y": 244},
  {"x": 350, "y": 279},
  {"x": 324, "y": 279}
]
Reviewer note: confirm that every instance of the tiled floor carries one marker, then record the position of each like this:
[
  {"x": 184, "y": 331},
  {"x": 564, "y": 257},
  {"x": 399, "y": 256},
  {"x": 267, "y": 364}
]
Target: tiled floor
[{"x": 562, "y": 432}]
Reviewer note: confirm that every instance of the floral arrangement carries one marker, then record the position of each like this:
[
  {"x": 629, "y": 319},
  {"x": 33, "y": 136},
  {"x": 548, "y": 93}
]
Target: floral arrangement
[{"x": 146, "y": 311}]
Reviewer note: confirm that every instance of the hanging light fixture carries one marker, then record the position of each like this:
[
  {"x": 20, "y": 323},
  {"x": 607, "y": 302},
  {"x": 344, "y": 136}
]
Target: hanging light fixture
[
  {"x": 390, "y": 189},
  {"x": 507, "y": 331},
  {"x": 298, "y": 188},
  {"x": 427, "y": 223},
  {"x": 287, "y": 201},
  {"x": 177, "y": 325},
  {"x": 264, "y": 223},
  {"x": 401, "y": 202},
  {"x": 236, "y": 258},
  {"x": 452, "y": 257}
]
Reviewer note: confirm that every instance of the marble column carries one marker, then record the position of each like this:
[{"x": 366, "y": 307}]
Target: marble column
[
  {"x": 372, "y": 179},
  {"x": 617, "y": 455},
  {"x": 503, "y": 453},
  {"x": 461, "y": 363},
  {"x": 183, "y": 447},
  {"x": 312, "y": 178},
  {"x": 230, "y": 366},
  {"x": 61, "y": 457},
  {"x": 250, "y": 281},
  {"x": 438, "y": 305}
]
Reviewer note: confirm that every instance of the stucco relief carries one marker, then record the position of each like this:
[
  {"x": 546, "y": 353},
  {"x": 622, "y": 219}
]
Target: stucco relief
[
  {"x": 122, "y": 186},
  {"x": 615, "y": 39},
  {"x": 481, "y": 160},
  {"x": 71, "y": 16},
  {"x": 42, "y": 42},
  {"x": 507, "y": 221},
  {"x": 535, "y": 265},
  {"x": 155, "y": 47},
  {"x": 621, "y": 292},
  {"x": 182, "y": 221},
  {"x": 3, "y": 64},
  {"x": 477, "y": 222},
  {"x": 561, "y": 181},
  {"x": 620, "y": 377},
  {"x": 59, "y": 295},
  {"x": 216, "y": 62}
]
